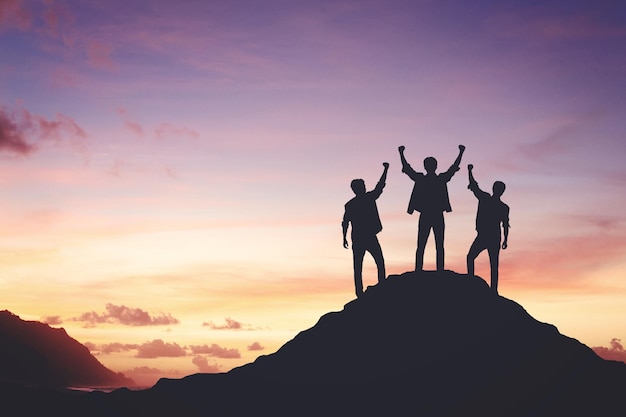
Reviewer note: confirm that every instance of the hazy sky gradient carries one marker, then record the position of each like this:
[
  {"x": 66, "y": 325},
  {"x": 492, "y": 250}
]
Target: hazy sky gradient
[{"x": 174, "y": 173}]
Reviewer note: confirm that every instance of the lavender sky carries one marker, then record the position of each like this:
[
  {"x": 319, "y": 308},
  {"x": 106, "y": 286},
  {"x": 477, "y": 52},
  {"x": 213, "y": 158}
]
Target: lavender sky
[{"x": 173, "y": 174}]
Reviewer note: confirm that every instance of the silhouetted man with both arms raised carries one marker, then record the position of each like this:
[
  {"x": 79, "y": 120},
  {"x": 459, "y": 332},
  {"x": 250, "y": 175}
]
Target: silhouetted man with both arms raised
[
  {"x": 362, "y": 213},
  {"x": 492, "y": 214},
  {"x": 430, "y": 198}
]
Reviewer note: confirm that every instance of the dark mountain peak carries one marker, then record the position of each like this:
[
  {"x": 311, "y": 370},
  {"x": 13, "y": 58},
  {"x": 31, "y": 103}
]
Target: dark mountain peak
[
  {"x": 12, "y": 322},
  {"x": 35, "y": 354},
  {"x": 428, "y": 343},
  {"x": 405, "y": 323},
  {"x": 419, "y": 344}
]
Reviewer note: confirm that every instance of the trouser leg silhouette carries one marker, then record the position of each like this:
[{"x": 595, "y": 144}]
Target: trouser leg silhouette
[
  {"x": 493, "y": 249},
  {"x": 357, "y": 260},
  {"x": 377, "y": 254},
  {"x": 494, "y": 260},
  {"x": 426, "y": 222},
  {"x": 472, "y": 254},
  {"x": 423, "y": 231},
  {"x": 438, "y": 232}
]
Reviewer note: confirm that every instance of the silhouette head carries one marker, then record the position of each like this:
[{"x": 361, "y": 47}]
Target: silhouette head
[
  {"x": 498, "y": 188},
  {"x": 430, "y": 164},
  {"x": 358, "y": 186}
]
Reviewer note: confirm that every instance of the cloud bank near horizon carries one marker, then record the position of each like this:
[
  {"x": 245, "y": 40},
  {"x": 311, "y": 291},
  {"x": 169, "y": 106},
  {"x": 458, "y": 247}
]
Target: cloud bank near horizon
[{"x": 126, "y": 316}]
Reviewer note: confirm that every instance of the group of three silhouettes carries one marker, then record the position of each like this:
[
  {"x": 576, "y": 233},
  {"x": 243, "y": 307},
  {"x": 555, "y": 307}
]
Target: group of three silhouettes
[{"x": 430, "y": 198}]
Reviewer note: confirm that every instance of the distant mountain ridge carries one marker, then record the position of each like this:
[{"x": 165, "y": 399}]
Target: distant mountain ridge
[
  {"x": 419, "y": 344},
  {"x": 35, "y": 354}
]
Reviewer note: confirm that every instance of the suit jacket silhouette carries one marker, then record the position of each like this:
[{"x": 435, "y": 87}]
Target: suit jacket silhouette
[{"x": 430, "y": 191}]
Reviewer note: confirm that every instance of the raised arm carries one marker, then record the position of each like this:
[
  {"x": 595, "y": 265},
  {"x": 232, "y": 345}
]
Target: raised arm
[
  {"x": 457, "y": 161},
  {"x": 381, "y": 182},
  {"x": 406, "y": 167},
  {"x": 383, "y": 177},
  {"x": 454, "y": 167},
  {"x": 473, "y": 185},
  {"x": 472, "y": 181},
  {"x": 405, "y": 164}
]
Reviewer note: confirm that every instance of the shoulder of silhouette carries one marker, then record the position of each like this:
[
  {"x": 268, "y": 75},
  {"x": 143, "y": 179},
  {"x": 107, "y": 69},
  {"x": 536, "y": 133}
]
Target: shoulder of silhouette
[
  {"x": 408, "y": 170},
  {"x": 447, "y": 175}
]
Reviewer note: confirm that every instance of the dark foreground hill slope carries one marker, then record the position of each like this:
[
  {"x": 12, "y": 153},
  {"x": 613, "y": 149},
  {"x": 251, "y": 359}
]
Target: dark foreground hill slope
[
  {"x": 35, "y": 354},
  {"x": 428, "y": 344}
]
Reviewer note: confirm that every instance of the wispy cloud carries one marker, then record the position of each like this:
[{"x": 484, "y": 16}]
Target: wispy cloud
[
  {"x": 116, "y": 347},
  {"x": 203, "y": 365},
  {"x": 162, "y": 131},
  {"x": 215, "y": 351},
  {"x": 130, "y": 124},
  {"x": 14, "y": 14},
  {"x": 126, "y": 316},
  {"x": 158, "y": 348},
  {"x": 169, "y": 130},
  {"x": 58, "y": 22},
  {"x": 22, "y": 132},
  {"x": 49, "y": 20},
  {"x": 52, "y": 320},
  {"x": 615, "y": 352},
  {"x": 99, "y": 55},
  {"x": 13, "y": 136},
  {"x": 229, "y": 324},
  {"x": 255, "y": 346}
]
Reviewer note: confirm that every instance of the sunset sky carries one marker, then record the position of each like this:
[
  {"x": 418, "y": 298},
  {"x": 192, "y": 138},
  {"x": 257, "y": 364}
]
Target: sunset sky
[{"x": 173, "y": 174}]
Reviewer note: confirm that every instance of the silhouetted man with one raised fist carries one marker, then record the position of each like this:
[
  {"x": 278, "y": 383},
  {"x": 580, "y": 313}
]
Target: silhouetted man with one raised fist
[
  {"x": 362, "y": 213},
  {"x": 430, "y": 198},
  {"x": 491, "y": 215}
]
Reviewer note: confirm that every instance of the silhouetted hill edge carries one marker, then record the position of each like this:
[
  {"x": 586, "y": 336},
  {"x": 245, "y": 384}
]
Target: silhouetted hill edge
[
  {"x": 35, "y": 354},
  {"x": 420, "y": 344}
]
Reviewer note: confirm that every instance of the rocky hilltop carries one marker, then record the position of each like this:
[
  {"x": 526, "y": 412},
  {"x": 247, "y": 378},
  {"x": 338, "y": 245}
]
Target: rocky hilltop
[{"x": 420, "y": 344}]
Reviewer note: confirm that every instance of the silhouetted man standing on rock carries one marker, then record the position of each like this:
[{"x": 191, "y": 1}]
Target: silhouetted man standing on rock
[
  {"x": 430, "y": 198},
  {"x": 491, "y": 215},
  {"x": 362, "y": 213}
]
